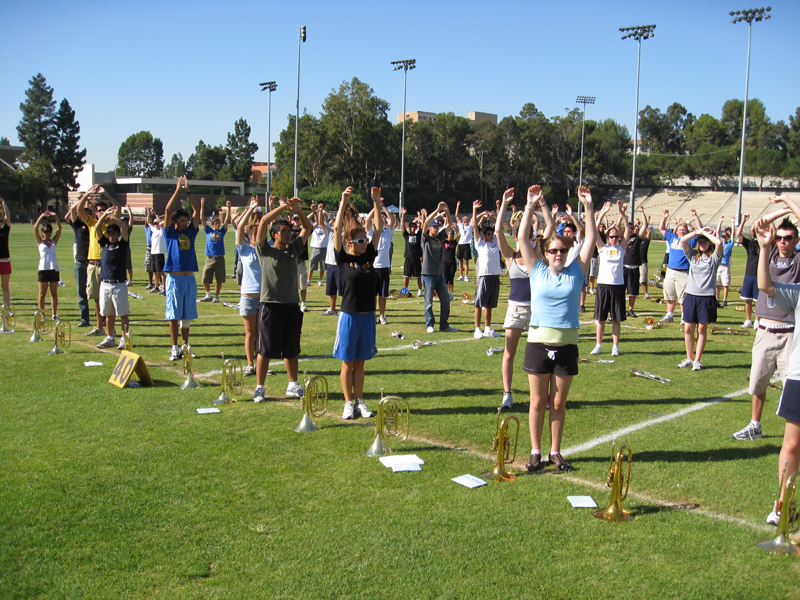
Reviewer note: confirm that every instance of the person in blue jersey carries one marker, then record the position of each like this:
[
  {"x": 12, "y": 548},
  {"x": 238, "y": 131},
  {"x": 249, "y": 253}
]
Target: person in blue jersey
[
  {"x": 359, "y": 277},
  {"x": 551, "y": 354},
  {"x": 678, "y": 265},
  {"x": 180, "y": 265},
  {"x": 215, "y": 251}
]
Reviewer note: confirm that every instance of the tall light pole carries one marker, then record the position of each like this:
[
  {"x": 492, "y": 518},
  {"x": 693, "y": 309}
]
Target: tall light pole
[
  {"x": 583, "y": 100},
  {"x": 297, "y": 108},
  {"x": 748, "y": 15},
  {"x": 407, "y": 64},
  {"x": 270, "y": 86},
  {"x": 639, "y": 33}
]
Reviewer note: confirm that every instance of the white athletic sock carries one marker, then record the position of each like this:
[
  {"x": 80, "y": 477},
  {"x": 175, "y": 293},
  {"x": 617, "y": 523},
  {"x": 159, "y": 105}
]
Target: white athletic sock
[{"x": 755, "y": 423}]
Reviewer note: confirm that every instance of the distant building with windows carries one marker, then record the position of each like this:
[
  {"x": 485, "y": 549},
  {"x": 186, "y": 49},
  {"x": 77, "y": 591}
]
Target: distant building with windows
[
  {"x": 418, "y": 116},
  {"x": 477, "y": 117}
]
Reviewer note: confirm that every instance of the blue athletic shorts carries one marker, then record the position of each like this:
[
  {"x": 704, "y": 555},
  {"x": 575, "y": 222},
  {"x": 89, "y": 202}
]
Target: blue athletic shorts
[
  {"x": 750, "y": 288},
  {"x": 181, "y": 298},
  {"x": 789, "y": 405},
  {"x": 355, "y": 337}
]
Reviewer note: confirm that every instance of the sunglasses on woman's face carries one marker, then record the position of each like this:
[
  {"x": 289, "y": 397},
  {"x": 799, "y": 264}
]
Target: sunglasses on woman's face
[
  {"x": 613, "y": 237},
  {"x": 359, "y": 241},
  {"x": 558, "y": 251}
]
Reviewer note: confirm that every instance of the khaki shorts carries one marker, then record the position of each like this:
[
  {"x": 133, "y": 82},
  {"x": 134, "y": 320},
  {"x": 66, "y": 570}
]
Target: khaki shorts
[
  {"x": 770, "y": 349},
  {"x": 93, "y": 282},
  {"x": 675, "y": 285},
  {"x": 517, "y": 317},
  {"x": 114, "y": 299},
  {"x": 302, "y": 276},
  {"x": 724, "y": 276},
  {"x": 214, "y": 267},
  {"x": 643, "y": 274}
]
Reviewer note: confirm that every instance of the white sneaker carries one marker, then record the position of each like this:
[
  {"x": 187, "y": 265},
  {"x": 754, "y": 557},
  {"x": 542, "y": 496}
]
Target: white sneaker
[
  {"x": 615, "y": 351},
  {"x": 383, "y": 320},
  {"x": 319, "y": 283},
  {"x": 452, "y": 297},
  {"x": 174, "y": 355},
  {"x": 363, "y": 410},
  {"x": 294, "y": 389},
  {"x": 597, "y": 350},
  {"x": 121, "y": 345},
  {"x": 149, "y": 286},
  {"x": 490, "y": 333},
  {"x": 95, "y": 332},
  {"x": 303, "y": 307},
  {"x": 429, "y": 329},
  {"x": 686, "y": 362},
  {"x": 328, "y": 313},
  {"x": 747, "y": 324},
  {"x": 697, "y": 366},
  {"x": 420, "y": 293},
  {"x": 508, "y": 400},
  {"x": 478, "y": 333},
  {"x": 667, "y": 319},
  {"x": 108, "y": 342},
  {"x": 750, "y": 432},
  {"x": 646, "y": 296},
  {"x": 775, "y": 516},
  {"x": 349, "y": 411},
  {"x": 206, "y": 298},
  {"x": 460, "y": 278},
  {"x": 259, "y": 395},
  {"x": 466, "y": 278},
  {"x": 215, "y": 299}
]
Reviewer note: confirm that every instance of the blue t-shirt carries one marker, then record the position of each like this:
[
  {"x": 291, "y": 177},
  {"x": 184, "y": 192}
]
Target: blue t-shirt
[
  {"x": 727, "y": 249},
  {"x": 147, "y": 234},
  {"x": 677, "y": 260},
  {"x": 180, "y": 255},
  {"x": 215, "y": 241},
  {"x": 555, "y": 299}
]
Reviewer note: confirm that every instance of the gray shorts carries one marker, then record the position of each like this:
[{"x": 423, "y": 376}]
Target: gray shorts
[
  {"x": 771, "y": 349},
  {"x": 249, "y": 306}
]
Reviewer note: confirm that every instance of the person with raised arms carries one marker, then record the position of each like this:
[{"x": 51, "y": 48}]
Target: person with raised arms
[
  {"x": 677, "y": 265},
  {"x": 249, "y": 301},
  {"x": 5, "y": 255},
  {"x": 215, "y": 251},
  {"x": 48, "y": 274},
  {"x": 464, "y": 249},
  {"x": 551, "y": 354},
  {"x": 433, "y": 268},
  {"x": 113, "y": 237}
]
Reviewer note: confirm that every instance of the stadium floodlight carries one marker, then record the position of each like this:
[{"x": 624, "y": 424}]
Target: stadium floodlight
[
  {"x": 406, "y": 65},
  {"x": 747, "y": 15},
  {"x": 583, "y": 100},
  {"x": 269, "y": 86},
  {"x": 639, "y": 33},
  {"x": 297, "y": 108}
]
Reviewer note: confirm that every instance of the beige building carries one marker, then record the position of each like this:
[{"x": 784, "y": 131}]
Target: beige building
[
  {"x": 417, "y": 116},
  {"x": 477, "y": 117}
]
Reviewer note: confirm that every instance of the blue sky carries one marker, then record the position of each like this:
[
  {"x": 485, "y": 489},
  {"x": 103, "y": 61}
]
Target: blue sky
[{"x": 186, "y": 71}]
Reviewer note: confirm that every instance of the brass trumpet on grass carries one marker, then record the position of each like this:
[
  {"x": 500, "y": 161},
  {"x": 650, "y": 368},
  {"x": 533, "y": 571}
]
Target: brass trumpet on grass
[
  {"x": 615, "y": 481},
  {"x": 494, "y": 350},
  {"x": 418, "y": 344},
  {"x": 391, "y": 422},
  {"x": 41, "y": 326},
  {"x": 398, "y": 335},
  {"x": 8, "y": 318},
  {"x": 727, "y": 331},
  {"x": 191, "y": 382},
  {"x": 232, "y": 380},
  {"x": 501, "y": 444},
  {"x": 651, "y": 323},
  {"x": 63, "y": 337},
  {"x": 646, "y": 375},
  {"x": 315, "y": 403},
  {"x": 781, "y": 544}
]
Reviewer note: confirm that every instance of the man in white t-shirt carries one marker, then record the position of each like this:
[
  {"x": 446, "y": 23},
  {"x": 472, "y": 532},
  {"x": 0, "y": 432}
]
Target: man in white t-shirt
[
  {"x": 464, "y": 248},
  {"x": 487, "y": 291},
  {"x": 383, "y": 262},
  {"x": 319, "y": 242}
]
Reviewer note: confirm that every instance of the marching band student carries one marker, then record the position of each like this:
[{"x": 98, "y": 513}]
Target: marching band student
[
  {"x": 724, "y": 271},
  {"x": 318, "y": 242},
  {"x": 302, "y": 269},
  {"x": 180, "y": 265},
  {"x": 412, "y": 269},
  {"x": 249, "y": 302},
  {"x": 332, "y": 284},
  {"x": 215, "y": 251},
  {"x": 48, "y": 262},
  {"x": 677, "y": 265},
  {"x": 280, "y": 321},
  {"x": 449, "y": 260},
  {"x": 488, "y": 270},
  {"x": 551, "y": 354},
  {"x": 749, "y": 285},
  {"x": 633, "y": 260},
  {"x": 383, "y": 262},
  {"x": 80, "y": 231},
  {"x": 5, "y": 256},
  {"x": 611, "y": 280},
  {"x": 700, "y": 303},
  {"x": 113, "y": 239},
  {"x": 355, "y": 331},
  {"x": 518, "y": 313},
  {"x": 157, "y": 251},
  {"x": 787, "y": 298},
  {"x": 465, "y": 239},
  {"x": 433, "y": 269}
]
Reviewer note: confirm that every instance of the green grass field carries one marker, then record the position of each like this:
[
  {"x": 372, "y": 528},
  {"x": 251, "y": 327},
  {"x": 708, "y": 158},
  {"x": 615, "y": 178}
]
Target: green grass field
[{"x": 130, "y": 493}]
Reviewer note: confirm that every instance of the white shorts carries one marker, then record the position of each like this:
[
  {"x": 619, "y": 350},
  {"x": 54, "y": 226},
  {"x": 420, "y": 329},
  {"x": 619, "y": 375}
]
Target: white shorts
[
  {"x": 724, "y": 276},
  {"x": 114, "y": 299},
  {"x": 518, "y": 316},
  {"x": 302, "y": 276},
  {"x": 675, "y": 285}
]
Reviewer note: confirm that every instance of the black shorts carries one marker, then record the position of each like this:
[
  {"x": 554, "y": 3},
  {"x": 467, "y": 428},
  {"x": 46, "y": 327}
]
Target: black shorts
[
  {"x": 789, "y": 405},
  {"x": 332, "y": 280},
  {"x": 699, "y": 309},
  {"x": 538, "y": 361},
  {"x": 382, "y": 283},
  {"x": 463, "y": 252},
  {"x": 128, "y": 260},
  {"x": 412, "y": 268},
  {"x": 48, "y": 276},
  {"x": 487, "y": 292},
  {"x": 279, "y": 329},
  {"x": 450, "y": 272},
  {"x": 157, "y": 263},
  {"x": 632, "y": 281},
  {"x": 610, "y": 301}
]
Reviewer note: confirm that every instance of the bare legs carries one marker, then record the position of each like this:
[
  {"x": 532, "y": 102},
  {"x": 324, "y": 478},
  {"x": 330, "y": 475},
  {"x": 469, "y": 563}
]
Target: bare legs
[
  {"x": 553, "y": 389},
  {"x": 695, "y": 352},
  {"x": 352, "y": 378},
  {"x": 512, "y": 341}
]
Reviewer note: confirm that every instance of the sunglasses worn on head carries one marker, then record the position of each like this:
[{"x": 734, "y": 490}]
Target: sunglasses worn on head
[
  {"x": 784, "y": 238},
  {"x": 558, "y": 251}
]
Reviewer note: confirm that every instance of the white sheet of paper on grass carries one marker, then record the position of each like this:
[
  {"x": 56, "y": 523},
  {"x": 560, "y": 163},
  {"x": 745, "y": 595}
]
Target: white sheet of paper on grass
[
  {"x": 401, "y": 459},
  {"x": 582, "y": 501},
  {"x": 406, "y": 466},
  {"x": 207, "y": 411},
  {"x": 92, "y": 363},
  {"x": 469, "y": 481}
]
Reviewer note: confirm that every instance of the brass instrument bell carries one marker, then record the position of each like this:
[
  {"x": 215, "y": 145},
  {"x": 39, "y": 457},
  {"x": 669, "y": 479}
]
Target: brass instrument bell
[
  {"x": 419, "y": 344},
  {"x": 232, "y": 380},
  {"x": 391, "y": 423},
  {"x": 127, "y": 339},
  {"x": 8, "y": 318},
  {"x": 41, "y": 326},
  {"x": 614, "y": 512},
  {"x": 191, "y": 382},
  {"x": 494, "y": 350},
  {"x": 63, "y": 337},
  {"x": 315, "y": 403},
  {"x": 465, "y": 298},
  {"x": 398, "y": 335},
  {"x": 501, "y": 444},
  {"x": 781, "y": 544}
]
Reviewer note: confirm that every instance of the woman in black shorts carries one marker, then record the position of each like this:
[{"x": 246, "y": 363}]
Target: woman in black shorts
[{"x": 48, "y": 262}]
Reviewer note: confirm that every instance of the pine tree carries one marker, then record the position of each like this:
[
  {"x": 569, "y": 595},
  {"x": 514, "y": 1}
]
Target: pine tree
[
  {"x": 36, "y": 130},
  {"x": 68, "y": 157},
  {"x": 240, "y": 151}
]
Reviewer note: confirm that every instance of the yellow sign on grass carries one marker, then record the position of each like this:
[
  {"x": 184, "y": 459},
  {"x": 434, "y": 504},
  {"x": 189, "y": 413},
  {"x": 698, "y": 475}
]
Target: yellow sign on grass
[{"x": 127, "y": 365}]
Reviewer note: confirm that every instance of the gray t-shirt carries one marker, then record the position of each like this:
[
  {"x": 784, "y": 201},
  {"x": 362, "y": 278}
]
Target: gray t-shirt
[
  {"x": 279, "y": 272},
  {"x": 783, "y": 270},
  {"x": 786, "y": 299},
  {"x": 702, "y": 273},
  {"x": 432, "y": 251}
]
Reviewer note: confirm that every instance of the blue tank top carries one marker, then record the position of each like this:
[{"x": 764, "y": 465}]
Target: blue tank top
[{"x": 520, "y": 293}]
